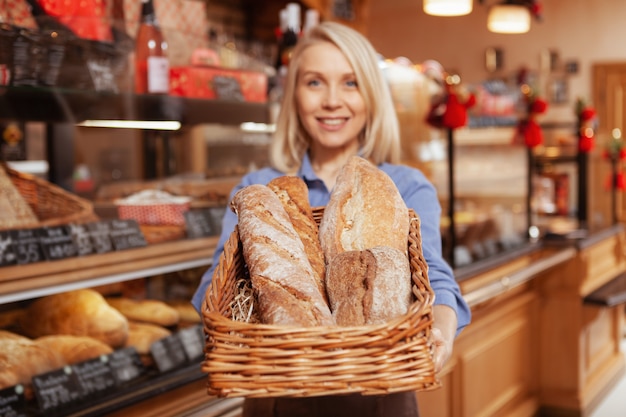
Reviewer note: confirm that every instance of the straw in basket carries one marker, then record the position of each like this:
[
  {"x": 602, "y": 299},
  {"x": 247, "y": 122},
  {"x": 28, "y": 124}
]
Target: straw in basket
[{"x": 259, "y": 360}]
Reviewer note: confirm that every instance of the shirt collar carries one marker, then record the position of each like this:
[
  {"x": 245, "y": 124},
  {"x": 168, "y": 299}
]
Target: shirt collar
[{"x": 306, "y": 170}]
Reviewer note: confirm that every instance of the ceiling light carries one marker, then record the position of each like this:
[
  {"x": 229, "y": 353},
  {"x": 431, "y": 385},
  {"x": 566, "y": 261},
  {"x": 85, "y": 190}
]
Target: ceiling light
[
  {"x": 447, "y": 7},
  {"x": 508, "y": 18}
]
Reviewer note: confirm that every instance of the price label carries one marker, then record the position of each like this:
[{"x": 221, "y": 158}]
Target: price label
[
  {"x": 126, "y": 234},
  {"x": 192, "y": 339},
  {"x": 199, "y": 223},
  {"x": 57, "y": 243},
  {"x": 27, "y": 247},
  {"x": 99, "y": 236},
  {"x": 81, "y": 238},
  {"x": 13, "y": 402},
  {"x": 7, "y": 252},
  {"x": 126, "y": 365},
  {"x": 227, "y": 88},
  {"x": 95, "y": 375},
  {"x": 168, "y": 353},
  {"x": 57, "y": 389}
]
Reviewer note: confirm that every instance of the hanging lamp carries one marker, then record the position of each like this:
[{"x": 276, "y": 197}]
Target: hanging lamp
[
  {"x": 508, "y": 18},
  {"x": 447, "y": 7}
]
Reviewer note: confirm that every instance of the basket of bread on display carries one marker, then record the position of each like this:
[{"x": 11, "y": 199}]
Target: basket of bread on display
[{"x": 320, "y": 301}]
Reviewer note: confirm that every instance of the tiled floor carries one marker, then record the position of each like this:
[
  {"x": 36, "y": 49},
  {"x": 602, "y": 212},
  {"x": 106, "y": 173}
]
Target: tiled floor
[{"x": 614, "y": 405}]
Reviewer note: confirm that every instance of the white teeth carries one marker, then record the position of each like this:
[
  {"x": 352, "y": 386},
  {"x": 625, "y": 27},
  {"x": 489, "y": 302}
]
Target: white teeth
[{"x": 332, "y": 121}]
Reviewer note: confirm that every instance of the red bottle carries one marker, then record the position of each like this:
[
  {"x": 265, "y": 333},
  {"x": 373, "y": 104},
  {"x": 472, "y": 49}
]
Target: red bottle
[{"x": 152, "y": 70}]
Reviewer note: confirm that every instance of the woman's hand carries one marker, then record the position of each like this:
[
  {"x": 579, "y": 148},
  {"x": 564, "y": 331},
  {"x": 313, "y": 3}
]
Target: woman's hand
[{"x": 442, "y": 335}]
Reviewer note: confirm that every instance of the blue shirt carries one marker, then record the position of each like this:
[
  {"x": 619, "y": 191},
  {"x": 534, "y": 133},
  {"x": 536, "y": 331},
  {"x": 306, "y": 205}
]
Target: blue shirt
[{"x": 418, "y": 194}]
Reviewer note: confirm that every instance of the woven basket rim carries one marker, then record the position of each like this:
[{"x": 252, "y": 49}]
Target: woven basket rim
[{"x": 248, "y": 359}]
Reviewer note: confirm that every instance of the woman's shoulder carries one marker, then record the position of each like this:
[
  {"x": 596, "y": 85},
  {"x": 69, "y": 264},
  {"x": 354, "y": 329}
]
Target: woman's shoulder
[
  {"x": 260, "y": 176},
  {"x": 399, "y": 172}
]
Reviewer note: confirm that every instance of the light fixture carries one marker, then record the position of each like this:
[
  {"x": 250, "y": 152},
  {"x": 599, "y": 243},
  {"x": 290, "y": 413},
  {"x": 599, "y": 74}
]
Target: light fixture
[
  {"x": 133, "y": 124},
  {"x": 447, "y": 7},
  {"x": 508, "y": 18}
]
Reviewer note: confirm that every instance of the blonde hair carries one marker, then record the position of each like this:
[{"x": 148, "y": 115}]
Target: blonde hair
[{"x": 380, "y": 139}]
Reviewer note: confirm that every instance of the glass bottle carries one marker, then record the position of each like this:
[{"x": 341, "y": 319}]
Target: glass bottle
[{"x": 152, "y": 72}]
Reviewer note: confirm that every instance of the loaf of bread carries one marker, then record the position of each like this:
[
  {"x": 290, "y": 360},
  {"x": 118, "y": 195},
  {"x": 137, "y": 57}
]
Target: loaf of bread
[
  {"x": 21, "y": 359},
  {"x": 281, "y": 274},
  {"x": 370, "y": 286},
  {"x": 73, "y": 349},
  {"x": 142, "y": 335},
  {"x": 186, "y": 311},
  {"x": 294, "y": 196},
  {"x": 82, "y": 312},
  {"x": 145, "y": 310},
  {"x": 365, "y": 210}
]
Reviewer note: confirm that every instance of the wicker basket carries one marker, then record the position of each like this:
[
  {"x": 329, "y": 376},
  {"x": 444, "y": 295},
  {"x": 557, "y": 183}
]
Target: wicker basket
[
  {"x": 258, "y": 360},
  {"x": 52, "y": 204}
]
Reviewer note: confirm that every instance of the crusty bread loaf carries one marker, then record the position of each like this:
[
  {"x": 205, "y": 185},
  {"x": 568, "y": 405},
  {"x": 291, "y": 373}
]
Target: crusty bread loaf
[
  {"x": 294, "y": 196},
  {"x": 21, "y": 359},
  {"x": 365, "y": 210},
  {"x": 73, "y": 349},
  {"x": 186, "y": 311},
  {"x": 82, "y": 312},
  {"x": 370, "y": 286},
  {"x": 145, "y": 310},
  {"x": 281, "y": 274},
  {"x": 142, "y": 335}
]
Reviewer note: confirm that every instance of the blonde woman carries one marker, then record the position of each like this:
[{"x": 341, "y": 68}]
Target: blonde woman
[{"x": 337, "y": 104}]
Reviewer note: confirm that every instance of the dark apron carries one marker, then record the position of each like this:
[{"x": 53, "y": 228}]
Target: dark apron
[{"x": 403, "y": 404}]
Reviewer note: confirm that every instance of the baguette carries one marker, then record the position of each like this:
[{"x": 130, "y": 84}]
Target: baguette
[
  {"x": 370, "y": 286},
  {"x": 145, "y": 310},
  {"x": 294, "y": 196},
  {"x": 365, "y": 210},
  {"x": 74, "y": 349},
  {"x": 281, "y": 274}
]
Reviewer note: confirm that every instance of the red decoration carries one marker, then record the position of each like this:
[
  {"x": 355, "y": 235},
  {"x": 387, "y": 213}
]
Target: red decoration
[
  {"x": 86, "y": 18},
  {"x": 451, "y": 111},
  {"x": 528, "y": 130},
  {"x": 586, "y": 120}
]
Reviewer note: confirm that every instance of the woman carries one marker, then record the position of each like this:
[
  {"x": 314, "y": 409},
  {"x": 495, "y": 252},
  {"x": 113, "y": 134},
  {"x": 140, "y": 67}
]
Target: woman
[{"x": 337, "y": 104}]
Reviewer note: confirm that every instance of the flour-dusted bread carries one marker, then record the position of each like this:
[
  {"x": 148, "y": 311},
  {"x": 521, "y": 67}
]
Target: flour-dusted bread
[
  {"x": 82, "y": 312},
  {"x": 21, "y": 359},
  {"x": 370, "y": 286},
  {"x": 281, "y": 274},
  {"x": 365, "y": 210},
  {"x": 294, "y": 196},
  {"x": 74, "y": 349},
  {"x": 145, "y": 310}
]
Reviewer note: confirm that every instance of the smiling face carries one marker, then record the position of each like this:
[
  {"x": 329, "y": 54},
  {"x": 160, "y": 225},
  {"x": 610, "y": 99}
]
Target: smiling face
[{"x": 330, "y": 105}]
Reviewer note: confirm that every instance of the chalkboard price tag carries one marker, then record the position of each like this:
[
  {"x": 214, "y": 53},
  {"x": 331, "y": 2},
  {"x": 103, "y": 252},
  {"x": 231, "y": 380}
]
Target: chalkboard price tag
[
  {"x": 192, "y": 339},
  {"x": 95, "y": 375},
  {"x": 199, "y": 223},
  {"x": 126, "y": 365},
  {"x": 227, "y": 88},
  {"x": 168, "y": 353},
  {"x": 27, "y": 247},
  {"x": 57, "y": 243},
  {"x": 7, "y": 252},
  {"x": 13, "y": 402},
  {"x": 99, "y": 236},
  {"x": 81, "y": 238},
  {"x": 57, "y": 389},
  {"x": 126, "y": 234}
]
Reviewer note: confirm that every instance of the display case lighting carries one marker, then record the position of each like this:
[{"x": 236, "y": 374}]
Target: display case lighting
[
  {"x": 133, "y": 124},
  {"x": 448, "y": 7}
]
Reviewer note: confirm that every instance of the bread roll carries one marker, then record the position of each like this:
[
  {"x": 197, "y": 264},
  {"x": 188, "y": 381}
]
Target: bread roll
[
  {"x": 142, "y": 335},
  {"x": 74, "y": 349},
  {"x": 21, "y": 359},
  {"x": 186, "y": 311},
  {"x": 365, "y": 210},
  {"x": 370, "y": 286},
  {"x": 294, "y": 196},
  {"x": 281, "y": 274},
  {"x": 81, "y": 312},
  {"x": 146, "y": 311}
]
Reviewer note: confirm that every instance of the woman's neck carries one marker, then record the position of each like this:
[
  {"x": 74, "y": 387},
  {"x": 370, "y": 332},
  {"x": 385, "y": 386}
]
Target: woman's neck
[{"x": 327, "y": 165}]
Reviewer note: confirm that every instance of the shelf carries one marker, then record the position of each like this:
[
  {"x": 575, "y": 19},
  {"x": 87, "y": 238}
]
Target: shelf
[
  {"x": 54, "y": 105},
  {"x": 23, "y": 282}
]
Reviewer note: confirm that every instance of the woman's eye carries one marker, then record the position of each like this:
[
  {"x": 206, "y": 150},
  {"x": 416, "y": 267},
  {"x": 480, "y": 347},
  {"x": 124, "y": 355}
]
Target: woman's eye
[
  {"x": 352, "y": 83},
  {"x": 313, "y": 83}
]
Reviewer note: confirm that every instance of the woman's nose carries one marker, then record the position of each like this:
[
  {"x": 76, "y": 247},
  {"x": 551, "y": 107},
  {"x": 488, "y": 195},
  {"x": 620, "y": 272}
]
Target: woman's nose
[{"x": 332, "y": 97}]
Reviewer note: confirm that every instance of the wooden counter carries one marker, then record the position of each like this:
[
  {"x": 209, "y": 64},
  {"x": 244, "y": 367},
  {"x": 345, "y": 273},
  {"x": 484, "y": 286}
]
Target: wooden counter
[{"x": 534, "y": 347}]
